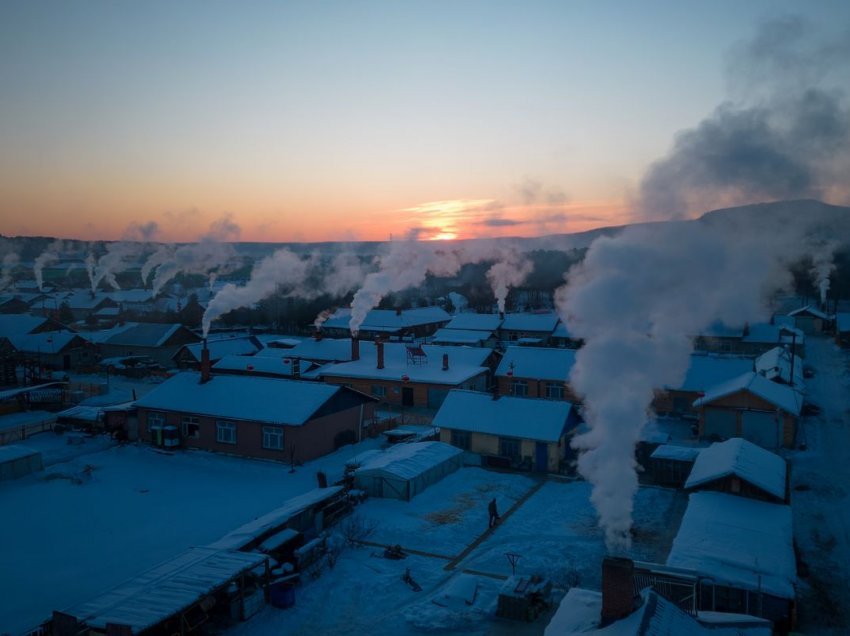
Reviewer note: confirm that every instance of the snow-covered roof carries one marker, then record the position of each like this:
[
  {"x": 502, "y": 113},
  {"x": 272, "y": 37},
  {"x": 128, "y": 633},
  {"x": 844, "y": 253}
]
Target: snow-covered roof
[
  {"x": 780, "y": 395},
  {"x": 526, "y": 418},
  {"x": 783, "y": 321},
  {"x": 324, "y": 350},
  {"x": 540, "y": 363},
  {"x": 561, "y": 331},
  {"x": 678, "y": 453},
  {"x": 763, "y": 332},
  {"x": 460, "y": 336},
  {"x": 739, "y": 457},
  {"x": 239, "y": 397},
  {"x": 165, "y": 590},
  {"x": 720, "y": 330},
  {"x": 145, "y": 334},
  {"x": 218, "y": 348},
  {"x": 19, "y": 324},
  {"x": 8, "y": 394},
  {"x": 706, "y": 371},
  {"x": 776, "y": 364},
  {"x": 475, "y": 322},
  {"x": 130, "y": 295},
  {"x": 390, "y": 320},
  {"x": 44, "y": 342},
  {"x": 83, "y": 299},
  {"x": 543, "y": 322},
  {"x": 738, "y": 541},
  {"x": 14, "y": 452},
  {"x": 464, "y": 363},
  {"x": 812, "y": 311},
  {"x": 408, "y": 461},
  {"x": 280, "y": 366},
  {"x": 25, "y": 418},
  {"x": 842, "y": 321},
  {"x": 278, "y": 517},
  {"x": 85, "y": 413},
  {"x": 580, "y": 611}
]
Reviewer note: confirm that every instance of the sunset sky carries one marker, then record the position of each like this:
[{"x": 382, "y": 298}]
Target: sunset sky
[{"x": 306, "y": 121}]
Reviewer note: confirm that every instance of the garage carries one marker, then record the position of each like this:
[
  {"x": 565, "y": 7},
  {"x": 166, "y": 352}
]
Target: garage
[{"x": 760, "y": 427}]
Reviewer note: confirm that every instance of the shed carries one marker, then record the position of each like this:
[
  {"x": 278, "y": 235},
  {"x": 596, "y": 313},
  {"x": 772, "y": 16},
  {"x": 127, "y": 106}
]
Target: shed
[
  {"x": 405, "y": 470},
  {"x": 740, "y": 467},
  {"x": 18, "y": 461},
  {"x": 670, "y": 465}
]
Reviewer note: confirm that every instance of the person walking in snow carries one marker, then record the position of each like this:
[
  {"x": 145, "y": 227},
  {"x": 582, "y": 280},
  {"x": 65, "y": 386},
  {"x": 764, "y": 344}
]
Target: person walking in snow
[{"x": 494, "y": 513}]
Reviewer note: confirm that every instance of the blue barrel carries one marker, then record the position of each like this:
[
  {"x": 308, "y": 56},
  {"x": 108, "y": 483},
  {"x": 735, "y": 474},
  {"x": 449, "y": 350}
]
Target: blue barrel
[{"x": 282, "y": 595}]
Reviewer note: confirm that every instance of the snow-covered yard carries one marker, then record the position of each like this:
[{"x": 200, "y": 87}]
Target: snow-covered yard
[
  {"x": 69, "y": 534},
  {"x": 554, "y": 531},
  {"x": 821, "y": 494}
]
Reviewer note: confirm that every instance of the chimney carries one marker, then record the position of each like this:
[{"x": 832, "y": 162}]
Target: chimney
[
  {"x": 445, "y": 362},
  {"x": 380, "y": 346},
  {"x": 205, "y": 363},
  {"x": 355, "y": 348},
  {"x": 398, "y": 311},
  {"x": 618, "y": 589},
  {"x": 501, "y": 315},
  {"x": 318, "y": 334},
  {"x": 296, "y": 367}
]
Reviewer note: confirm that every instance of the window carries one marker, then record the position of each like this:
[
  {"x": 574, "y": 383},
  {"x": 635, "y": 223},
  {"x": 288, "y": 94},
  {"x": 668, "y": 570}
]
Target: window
[
  {"x": 461, "y": 439},
  {"x": 509, "y": 447},
  {"x": 273, "y": 437},
  {"x": 156, "y": 419},
  {"x": 225, "y": 432},
  {"x": 555, "y": 391},
  {"x": 191, "y": 426},
  {"x": 379, "y": 391},
  {"x": 519, "y": 388}
]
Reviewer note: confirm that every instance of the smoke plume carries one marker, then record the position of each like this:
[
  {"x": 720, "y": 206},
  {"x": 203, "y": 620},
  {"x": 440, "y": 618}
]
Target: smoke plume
[
  {"x": 822, "y": 266},
  {"x": 510, "y": 271},
  {"x": 9, "y": 261},
  {"x": 783, "y": 133},
  {"x": 50, "y": 255}
]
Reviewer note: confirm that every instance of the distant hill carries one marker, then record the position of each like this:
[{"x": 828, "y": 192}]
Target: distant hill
[{"x": 814, "y": 217}]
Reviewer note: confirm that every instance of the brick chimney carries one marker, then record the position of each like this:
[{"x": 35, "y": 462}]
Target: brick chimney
[
  {"x": 618, "y": 589},
  {"x": 445, "y": 362},
  {"x": 379, "y": 344},
  {"x": 355, "y": 348},
  {"x": 205, "y": 363}
]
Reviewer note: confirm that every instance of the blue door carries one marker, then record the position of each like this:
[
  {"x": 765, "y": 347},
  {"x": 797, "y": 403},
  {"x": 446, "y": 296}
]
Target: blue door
[{"x": 541, "y": 457}]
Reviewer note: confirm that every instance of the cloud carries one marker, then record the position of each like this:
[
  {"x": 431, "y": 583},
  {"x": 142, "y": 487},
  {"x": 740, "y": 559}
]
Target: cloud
[{"x": 500, "y": 222}]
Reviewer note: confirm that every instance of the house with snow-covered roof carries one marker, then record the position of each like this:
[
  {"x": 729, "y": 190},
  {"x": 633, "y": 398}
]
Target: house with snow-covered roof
[
  {"x": 252, "y": 416},
  {"x": 509, "y": 431},
  {"x": 704, "y": 372},
  {"x": 464, "y": 337},
  {"x": 739, "y": 467},
  {"x": 749, "y": 339},
  {"x": 158, "y": 341},
  {"x": 419, "y": 322},
  {"x": 753, "y": 407},
  {"x": 540, "y": 372},
  {"x": 781, "y": 365},
  {"x": 19, "y": 324},
  {"x": 811, "y": 320},
  {"x": 743, "y": 552},
  {"x": 528, "y": 328},
  {"x": 411, "y": 375},
  {"x": 58, "y": 350},
  {"x": 189, "y": 356},
  {"x": 842, "y": 329}
]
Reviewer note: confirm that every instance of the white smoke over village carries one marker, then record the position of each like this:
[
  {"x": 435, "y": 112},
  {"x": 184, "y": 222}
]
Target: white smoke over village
[
  {"x": 822, "y": 266},
  {"x": 50, "y": 255},
  {"x": 9, "y": 259},
  {"x": 639, "y": 298},
  {"x": 509, "y": 271}
]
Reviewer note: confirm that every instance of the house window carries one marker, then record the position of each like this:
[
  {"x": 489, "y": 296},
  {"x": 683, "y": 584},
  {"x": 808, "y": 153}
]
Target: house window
[
  {"x": 156, "y": 419},
  {"x": 519, "y": 388},
  {"x": 379, "y": 391},
  {"x": 461, "y": 439},
  {"x": 509, "y": 447},
  {"x": 191, "y": 426},
  {"x": 273, "y": 437},
  {"x": 555, "y": 391},
  {"x": 225, "y": 432}
]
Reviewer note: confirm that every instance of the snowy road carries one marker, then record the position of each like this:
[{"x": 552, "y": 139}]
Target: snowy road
[{"x": 821, "y": 494}]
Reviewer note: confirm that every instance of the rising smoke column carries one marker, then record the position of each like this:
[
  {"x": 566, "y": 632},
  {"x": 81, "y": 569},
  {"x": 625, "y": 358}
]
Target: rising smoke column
[
  {"x": 637, "y": 300},
  {"x": 509, "y": 271},
  {"x": 50, "y": 255},
  {"x": 783, "y": 133},
  {"x": 822, "y": 252},
  {"x": 281, "y": 270},
  {"x": 9, "y": 261}
]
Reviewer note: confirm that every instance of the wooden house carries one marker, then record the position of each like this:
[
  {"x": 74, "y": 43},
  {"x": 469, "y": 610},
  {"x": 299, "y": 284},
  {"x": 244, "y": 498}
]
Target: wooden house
[
  {"x": 384, "y": 323},
  {"x": 536, "y": 372},
  {"x": 158, "y": 341}
]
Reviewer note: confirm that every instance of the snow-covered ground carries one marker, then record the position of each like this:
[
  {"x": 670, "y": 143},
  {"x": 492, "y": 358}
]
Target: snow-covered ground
[
  {"x": 554, "y": 531},
  {"x": 821, "y": 494},
  {"x": 66, "y": 536}
]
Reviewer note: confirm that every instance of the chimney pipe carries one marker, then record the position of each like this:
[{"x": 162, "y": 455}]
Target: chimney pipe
[
  {"x": 445, "y": 362},
  {"x": 296, "y": 367},
  {"x": 501, "y": 315},
  {"x": 398, "y": 311},
  {"x": 355, "y": 348},
  {"x": 618, "y": 589},
  {"x": 318, "y": 334},
  {"x": 380, "y": 346},
  {"x": 205, "y": 363}
]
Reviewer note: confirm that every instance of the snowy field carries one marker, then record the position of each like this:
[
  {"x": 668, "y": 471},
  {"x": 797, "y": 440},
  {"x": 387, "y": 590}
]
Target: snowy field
[
  {"x": 67, "y": 536},
  {"x": 554, "y": 531},
  {"x": 820, "y": 499}
]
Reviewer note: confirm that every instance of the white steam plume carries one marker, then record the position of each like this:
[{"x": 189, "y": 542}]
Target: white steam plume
[
  {"x": 322, "y": 318},
  {"x": 161, "y": 255},
  {"x": 822, "y": 266},
  {"x": 118, "y": 257},
  {"x": 91, "y": 263},
  {"x": 50, "y": 255},
  {"x": 636, "y": 300},
  {"x": 9, "y": 261},
  {"x": 283, "y": 269},
  {"x": 510, "y": 271}
]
